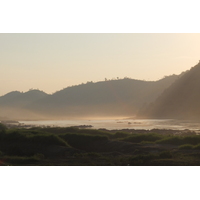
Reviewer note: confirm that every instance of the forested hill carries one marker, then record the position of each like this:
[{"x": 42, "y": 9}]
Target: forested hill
[
  {"x": 181, "y": 100},
  {"x": 20, "y": 99},
  {"x": 107, "y": 98},
  {"x": 121, "y": 97}
]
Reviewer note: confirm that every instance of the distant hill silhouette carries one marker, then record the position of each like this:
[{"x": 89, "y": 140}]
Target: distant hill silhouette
[
  {"x": 121, "y": 97},
  {"x": 180, "y": 101},
  {"x": 13, "y": 105},
  {"x": 21, "y": 99},
  {"x": 107, "y": 98}
]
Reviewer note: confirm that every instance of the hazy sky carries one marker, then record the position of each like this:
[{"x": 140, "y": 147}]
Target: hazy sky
[{"x": 51, "y": 62}]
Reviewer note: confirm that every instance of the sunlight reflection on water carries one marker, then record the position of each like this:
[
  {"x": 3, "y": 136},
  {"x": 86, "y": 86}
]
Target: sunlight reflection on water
[{"x": 121, "y": 124}]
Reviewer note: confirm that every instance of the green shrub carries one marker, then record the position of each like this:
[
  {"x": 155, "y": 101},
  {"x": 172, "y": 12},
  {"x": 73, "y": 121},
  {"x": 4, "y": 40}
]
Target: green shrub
[
  {"x": 147, "y": 142},
  {"x": 16, "y": 143},
  {"x": 142, "y": 159},
  {"x": 42, "y": 139},
  {"x": 18, "y": 160},
  {"x": 186, "y": 146},
  {"x": 46, "y": 140},
  {"x": 94, "y": 132},
  {"x": 60, "y": 130},
  {"x": 39, "y": 156},
  {"x": 165, "y": 154},
  {"x": 197, "y": 147},
  {"x": 83, "y": 140},
  {"x": 93, "y": 154},
  {"x": 179, "y": 140},
  {"x": 137, "y": 138},
  {"x": 3, "y": 128},
  {"x": 13, "y": 136},
  {"x": 175, "y": 140},
  {"x": 121, "y": 135},
  {"x": 191, "y": 140}
]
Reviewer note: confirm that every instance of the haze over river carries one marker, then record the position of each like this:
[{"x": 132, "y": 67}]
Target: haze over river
[{"x": 111, "y": 124}]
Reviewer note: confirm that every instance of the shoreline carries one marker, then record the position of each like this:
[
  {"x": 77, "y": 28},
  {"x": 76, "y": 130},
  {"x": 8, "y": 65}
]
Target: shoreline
[{"x": 163, "y": 131}]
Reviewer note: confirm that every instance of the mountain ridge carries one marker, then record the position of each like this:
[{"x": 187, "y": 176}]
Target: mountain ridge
[
  {"x": 105, "y": 98},
  {"x": 180, "y": 101}
]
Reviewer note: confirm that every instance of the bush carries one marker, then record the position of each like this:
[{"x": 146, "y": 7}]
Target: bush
[
  {"x": 42, "y": 139},
  {"x": 93, "y": 154},
  {"x": 137, "y": 138},
  {"x": 175, "y": 140},
  {"x": 39, "y": 156},
  {"x": 46, "y": 140},
  {"x": 13, "y": 136},
  {"x": 179, "y": 140},
  {"x": 191, "y": 140},
  {"x": 82, "y": 140},
  {"x": 197, "y": 147},
  {"x": 17, "y": 160},
  {"x": 121, "y": 135},
  {"x": 21, "y": 144},
  {"x": 3, "y": 128},
  {"x": 165, "y": 154},
  {"x": 94, "y": 132},
  {"x": 147, "y": 142},
  {"x": 142, "y": 159},
  {"x": 186, "y": 146}
]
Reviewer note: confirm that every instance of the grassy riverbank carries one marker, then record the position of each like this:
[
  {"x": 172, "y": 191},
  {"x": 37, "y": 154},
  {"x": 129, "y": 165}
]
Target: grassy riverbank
[{"x": 88, "y": 147}]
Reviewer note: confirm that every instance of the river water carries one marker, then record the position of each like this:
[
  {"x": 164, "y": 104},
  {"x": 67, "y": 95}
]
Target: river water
[{"x": 111, "y": 124}]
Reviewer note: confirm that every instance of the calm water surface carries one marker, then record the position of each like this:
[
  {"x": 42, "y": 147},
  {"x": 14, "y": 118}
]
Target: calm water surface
[{"x": 121, "y": 124}]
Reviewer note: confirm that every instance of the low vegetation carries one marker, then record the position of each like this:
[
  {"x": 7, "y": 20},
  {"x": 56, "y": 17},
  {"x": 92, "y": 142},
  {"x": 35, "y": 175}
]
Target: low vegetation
[
  {"x": 178, "y": 140},
  {"x": 138, "y": 138},
  {"x": 76, "y": 146}
]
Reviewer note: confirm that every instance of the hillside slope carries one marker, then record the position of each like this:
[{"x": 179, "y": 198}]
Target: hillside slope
[
  {"x": 108, "y": 98},
  {"x": 21, "y": 99},
  {"x": 121, "y": 97},
  {"x": 181, "y": 100},
  {"x": 13, "y": 105}
]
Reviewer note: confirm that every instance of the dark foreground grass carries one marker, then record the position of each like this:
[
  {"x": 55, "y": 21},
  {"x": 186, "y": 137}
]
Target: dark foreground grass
[
  {"x": 16, "y": 143},
  {"x": 74, "y": 146},
  {"x": 83, "y": 141},
  {"x": 138, "y": 138},
  {"x": 180, "y": 140},
  {"x": 21, "y": 137},
  {"x": 190, "y": 147},
  {"x": 21, "y": 160},
  {"x": 186, "y": 146},
  {"x": 150, "y": 158},
  {"x": 162, "y": 139}
]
